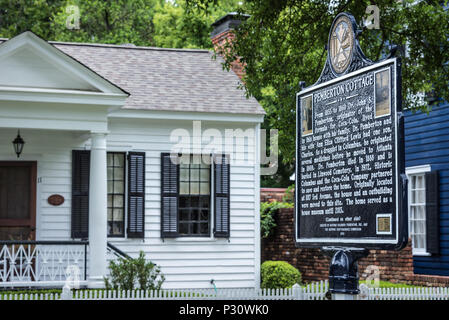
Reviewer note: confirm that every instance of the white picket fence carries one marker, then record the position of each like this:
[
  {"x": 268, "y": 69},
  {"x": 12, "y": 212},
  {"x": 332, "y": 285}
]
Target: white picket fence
[
  {"x": 427, "y": 293},
  {"x": 315, "y": 291}
]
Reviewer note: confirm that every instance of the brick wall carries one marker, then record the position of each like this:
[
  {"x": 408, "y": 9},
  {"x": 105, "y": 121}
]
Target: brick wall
[
  {"x": 270, "y": 194},
  {"x": 394, "y": 266}
]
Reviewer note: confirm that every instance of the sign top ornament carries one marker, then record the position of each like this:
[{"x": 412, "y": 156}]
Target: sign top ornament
[
  {"x": 344, "y": 54},
  {"x": 341, "y": 43}
]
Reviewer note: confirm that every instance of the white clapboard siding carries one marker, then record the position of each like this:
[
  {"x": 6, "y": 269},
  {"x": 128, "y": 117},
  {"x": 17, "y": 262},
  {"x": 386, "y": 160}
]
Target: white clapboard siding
[
  {"x": 189, "y": 263},
  {"x": 186, "y": 263}
]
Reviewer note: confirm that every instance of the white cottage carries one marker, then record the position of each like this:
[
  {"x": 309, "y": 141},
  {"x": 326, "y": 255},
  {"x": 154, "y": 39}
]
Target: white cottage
[{"x": 94, "y": 178}]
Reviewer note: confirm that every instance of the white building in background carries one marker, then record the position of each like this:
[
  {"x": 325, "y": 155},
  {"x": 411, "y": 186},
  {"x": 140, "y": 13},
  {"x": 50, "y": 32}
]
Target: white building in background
[{"x": 95, "y": 178}]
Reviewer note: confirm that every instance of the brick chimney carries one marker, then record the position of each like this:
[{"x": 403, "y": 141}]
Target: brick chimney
[{"x": 223, "y": 33}]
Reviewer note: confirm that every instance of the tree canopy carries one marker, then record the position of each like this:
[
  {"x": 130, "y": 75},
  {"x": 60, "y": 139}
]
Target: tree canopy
[
  {"x": 157, "y": 23},
  {"x": 283, "y": 43},
  {"x": 280, "y": 44}
]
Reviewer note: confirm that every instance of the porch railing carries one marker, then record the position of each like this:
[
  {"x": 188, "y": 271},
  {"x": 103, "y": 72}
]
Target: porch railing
[
  {"x": 115, "y": 253},
  {"x": 42, "y": 263}
]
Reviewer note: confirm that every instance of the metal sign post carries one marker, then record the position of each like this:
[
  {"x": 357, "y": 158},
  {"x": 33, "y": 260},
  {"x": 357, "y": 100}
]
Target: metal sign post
[
  {"x": 350, "y": 182},
  {"x": 343, "y": 271}
]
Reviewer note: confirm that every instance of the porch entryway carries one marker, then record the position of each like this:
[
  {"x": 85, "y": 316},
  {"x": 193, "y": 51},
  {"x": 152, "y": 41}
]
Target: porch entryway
[
  {"x": 23, "y": 260},
  {"x": 17, "y": 200}
]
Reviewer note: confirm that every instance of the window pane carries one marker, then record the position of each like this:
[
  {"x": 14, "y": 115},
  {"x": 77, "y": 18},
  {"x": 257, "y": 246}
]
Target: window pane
[
  {"x": 194, "y": 202},
  {"x": 118, "y": 201},
  {"x": 422, "y": 227},
  {"x": 117, "y": 228},
  {"x": 204, "y": 216},
  {"x": 194, "y": 175},
  {"x": 184, "y": 202},
  {"x": 119, "y": 187},
  {"x": 184, "y": 188},
  {"x": 421, "y": 196},
  {"x": 183, "y": 228},
  {"x": 110, "y": 173},
  {"x": 421, "y": 213},
  {"x": 205, "y": 188},
  {"x": 110, "y": 159},
  {"x": 109, "y": 201},
  {"x": 119, "y": 174},
  {"x": 420, "y": 244},
  {"x": 420, "y": 182},
  {"x": 184, "y": 174},
  {"x": 205, "y": 203},
  {"x": 194, "y": 215},
  {"x": 118, "y": 215},
  {"x": 194, "y": 188},
  {"x": 205, "y": 175},
  {"x": 415, "y": 242},
  {"x": 184, "y": 215},
  {"x": 119, "y": 159},
  {"x": 204, "y": 228}
]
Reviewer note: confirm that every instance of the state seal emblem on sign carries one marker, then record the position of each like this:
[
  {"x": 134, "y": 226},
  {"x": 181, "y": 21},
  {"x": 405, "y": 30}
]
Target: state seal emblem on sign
[{"x": 341, "y": 44}]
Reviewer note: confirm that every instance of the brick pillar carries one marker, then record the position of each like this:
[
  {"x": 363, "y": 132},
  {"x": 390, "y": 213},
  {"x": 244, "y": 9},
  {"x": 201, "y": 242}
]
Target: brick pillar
[{"x": 223, "y": 35}]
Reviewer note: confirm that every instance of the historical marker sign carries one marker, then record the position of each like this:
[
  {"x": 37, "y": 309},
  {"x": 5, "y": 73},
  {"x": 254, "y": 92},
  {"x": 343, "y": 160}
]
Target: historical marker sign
[{"x": 350, "y": 157}]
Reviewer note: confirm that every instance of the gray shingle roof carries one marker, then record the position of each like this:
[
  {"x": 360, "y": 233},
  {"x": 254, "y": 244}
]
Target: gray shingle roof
[{"x": 166, "y": 79}]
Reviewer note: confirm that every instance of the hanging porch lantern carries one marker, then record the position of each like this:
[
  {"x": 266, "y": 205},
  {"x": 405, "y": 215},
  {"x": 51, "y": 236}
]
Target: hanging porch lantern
[{"x": 18, "y": 144}]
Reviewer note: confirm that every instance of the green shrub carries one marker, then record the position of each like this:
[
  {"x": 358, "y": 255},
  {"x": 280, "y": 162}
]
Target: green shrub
[
  {"x": 129, "y": 274},
  {"x": 279, "y": 274},
  {"x": 267, "y": 212},
  {"x": 289, "y": 195}
]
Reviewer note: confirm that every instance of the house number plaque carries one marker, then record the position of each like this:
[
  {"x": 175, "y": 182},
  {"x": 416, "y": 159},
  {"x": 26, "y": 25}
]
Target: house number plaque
[{"x": 55, "y": 200}]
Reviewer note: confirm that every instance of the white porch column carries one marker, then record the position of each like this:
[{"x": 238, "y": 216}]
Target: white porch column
[{"x": 97, "y": 211}]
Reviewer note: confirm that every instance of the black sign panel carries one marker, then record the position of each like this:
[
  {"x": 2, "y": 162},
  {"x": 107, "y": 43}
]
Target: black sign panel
[{"x": 350, "y": 187}]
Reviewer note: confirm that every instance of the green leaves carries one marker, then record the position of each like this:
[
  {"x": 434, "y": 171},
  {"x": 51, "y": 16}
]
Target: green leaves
[
  {"x": 267, "y": 212},
  {"x": 127, "y": 274},
  {"x": 115, "y": 22},
  {"x": 141, "y": 22},
  {"x": 279, "y": 274}
]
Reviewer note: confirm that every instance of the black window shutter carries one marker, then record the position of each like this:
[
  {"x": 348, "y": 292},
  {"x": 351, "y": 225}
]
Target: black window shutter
[
  {"x": 432, "y": 213},
  {"x": 136, "y": 195},
  {"x": 222, "y": 195},
  {"x": 80, "y": 193},
  {"x": 169, "y": 195}
]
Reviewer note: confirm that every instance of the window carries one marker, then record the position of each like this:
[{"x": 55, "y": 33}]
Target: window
[
  {"x": 194, "y": 196},
  {"x": 116, "y": 194},
  {"x": 121, "y": 167},
  {"x": 190, "y": 207},
  {"x": 417, "y": 208},
  {"x": 417, "y": 213}
]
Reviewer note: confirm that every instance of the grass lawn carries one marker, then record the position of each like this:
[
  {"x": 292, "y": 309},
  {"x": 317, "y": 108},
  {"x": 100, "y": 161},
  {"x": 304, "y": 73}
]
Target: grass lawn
[{"x": 386, "y": 284}]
